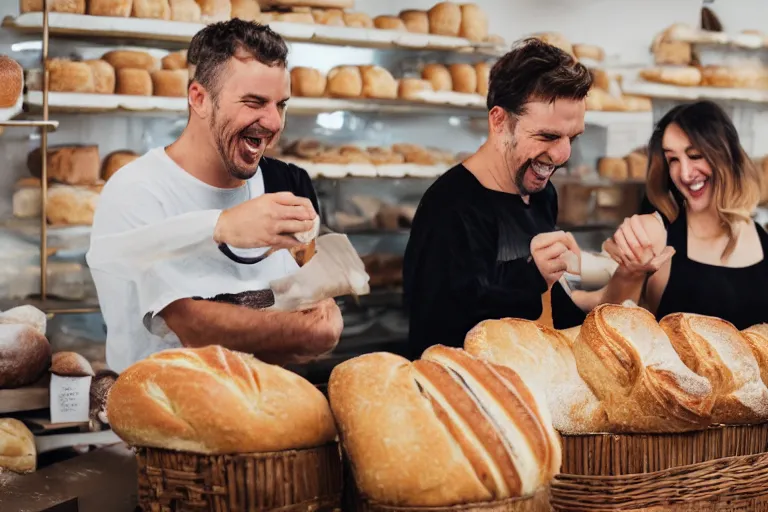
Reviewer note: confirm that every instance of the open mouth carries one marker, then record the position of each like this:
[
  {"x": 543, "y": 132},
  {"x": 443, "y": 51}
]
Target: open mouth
[
  {"x": 542, "y": 170},
  {"x": 696, "y": 188},
  {"x": 252, "y": 146}
]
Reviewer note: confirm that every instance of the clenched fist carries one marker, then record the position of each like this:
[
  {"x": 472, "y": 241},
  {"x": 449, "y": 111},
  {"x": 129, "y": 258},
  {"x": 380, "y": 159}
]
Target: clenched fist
[
  {"x": 640, "y": 244},
  {"x": 554, "y": 254},
  {"x": 269, "y": 220}
]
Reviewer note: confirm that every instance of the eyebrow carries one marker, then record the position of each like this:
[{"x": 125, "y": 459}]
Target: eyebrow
[
  {"x": 260, "y": 99},
  {"x": 667, "y": 150}
]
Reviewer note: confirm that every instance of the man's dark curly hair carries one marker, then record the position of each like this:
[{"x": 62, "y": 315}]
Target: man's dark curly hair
[
  {"x": 536, "y": 71},
  {"x": 214, "y": 45}
]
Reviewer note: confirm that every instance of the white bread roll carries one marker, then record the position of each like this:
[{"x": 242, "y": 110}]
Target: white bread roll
[
  {"x": 544, "y": 360},
  {"x": 27, "y": 315},
  {"x": 151, "y": 9},
  {"x": 445, "y": 430},
  {"x": 68, "y": 6},
  {"x": 445, "y": 19},
  {"x": 216, "y": 401},
  {"x": 631, "y": 366},
  {"x": 11, "y": 82},
  {"x": 24, "y": 355},
  {"x": 185, "y": 10},
  {"x": 131, "y": 59},
  {"x": 307, "y": 82},
  {"x": 17, "y": 447},
  {"x": 474, "y": 23},
  {"x": 70, "y": 364},
  {"x": 103, "y": 76},
  {"x": 378, "y": 83},
  {"x": 344, "y": 82},
  {"x": 715, "y": 349}
]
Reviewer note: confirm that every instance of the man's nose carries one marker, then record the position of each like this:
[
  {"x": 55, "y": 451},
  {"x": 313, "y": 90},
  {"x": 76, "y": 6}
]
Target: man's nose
[
  {"x": 561, "y": 152},
  {"x": 273, "y": 119}
]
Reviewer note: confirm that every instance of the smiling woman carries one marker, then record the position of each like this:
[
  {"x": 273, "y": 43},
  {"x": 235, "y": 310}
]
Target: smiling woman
[{"x": 705, "y": 186}]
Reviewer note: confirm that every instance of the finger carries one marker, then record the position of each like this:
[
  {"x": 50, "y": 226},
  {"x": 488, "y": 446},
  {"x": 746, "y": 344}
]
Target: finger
[
  {"x": 555, "y": 266},
  {"x": 612, "y": 250},
  {"x": 288, "y": 227},
  {"x": 289, "y": 199},
  {"x": 283, "y": 242},
  {"x": 552, "y": 252},
  {"x": 571, "y": 245},
  {"x": 638, "y": 229},
  {"x": 626, "y": 253},
  {"x": 296, "y": 212},
  {"x": 544, "y": 240},
  {"x": 663, "y": 257},
  {"x": 634, "y": 244}
]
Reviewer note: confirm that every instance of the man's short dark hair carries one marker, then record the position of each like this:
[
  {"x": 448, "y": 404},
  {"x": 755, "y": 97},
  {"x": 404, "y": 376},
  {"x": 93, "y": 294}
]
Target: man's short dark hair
[
  {"x": 536, "y": 71},
  {"x": 214, "y": 45}
]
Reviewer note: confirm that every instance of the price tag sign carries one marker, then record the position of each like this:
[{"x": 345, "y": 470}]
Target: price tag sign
[{"x": 70, "y": 399}]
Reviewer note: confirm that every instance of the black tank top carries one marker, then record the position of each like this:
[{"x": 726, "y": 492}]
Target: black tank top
[{"x": 738, "y": 295}]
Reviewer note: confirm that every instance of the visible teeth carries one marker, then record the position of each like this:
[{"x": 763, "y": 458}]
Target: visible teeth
[
  {"x": 542, "y": 170},
  {"x": 697, "y": 186}
]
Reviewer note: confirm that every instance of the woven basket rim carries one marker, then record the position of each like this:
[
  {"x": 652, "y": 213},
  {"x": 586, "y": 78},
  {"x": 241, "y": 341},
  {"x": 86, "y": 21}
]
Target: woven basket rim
[
  {"x": 461, "y": 506},
  {"x": 647, "y": 434},
  {"x": 281, "y": 453}
]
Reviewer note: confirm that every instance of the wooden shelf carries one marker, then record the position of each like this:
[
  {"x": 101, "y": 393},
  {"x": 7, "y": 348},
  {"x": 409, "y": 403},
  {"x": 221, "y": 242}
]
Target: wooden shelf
[
  {"x": 179, "y": 34},
  {"x": 55, "y": 306},
  {"x": 673, "y": 92},
  {"x": 28, "y": 398},
  {"x": 30, "y": 123}
]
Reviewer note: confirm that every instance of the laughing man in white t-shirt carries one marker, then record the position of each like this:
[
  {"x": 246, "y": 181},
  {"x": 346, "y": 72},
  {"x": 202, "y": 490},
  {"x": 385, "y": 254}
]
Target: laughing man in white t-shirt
[{"x": 171, "y": 220}]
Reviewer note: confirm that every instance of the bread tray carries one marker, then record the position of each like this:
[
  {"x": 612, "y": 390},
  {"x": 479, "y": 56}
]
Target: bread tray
[
  {"x": 289, "y": 481},
  {"x": 723, "y": 468}
]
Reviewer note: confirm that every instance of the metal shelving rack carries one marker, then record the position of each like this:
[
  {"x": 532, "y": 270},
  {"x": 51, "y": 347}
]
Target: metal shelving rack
[{"x": 45, "y": 125}]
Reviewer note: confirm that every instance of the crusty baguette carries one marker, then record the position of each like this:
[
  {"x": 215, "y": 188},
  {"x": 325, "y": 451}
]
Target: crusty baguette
[
  {"x": 544, "y": 359},
  {"x": 630, "y": 364},
  {"x": 213, "y": 400},
  {"x": 757, "y": 338},
  {"x": 715, "y": 349},
  {"x": 448, "y": 429}
]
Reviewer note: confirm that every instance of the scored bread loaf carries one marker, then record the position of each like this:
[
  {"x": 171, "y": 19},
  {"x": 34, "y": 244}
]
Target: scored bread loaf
[
  {"x": 215, "y": 401},
  {"x": 378, "y": 83},
  {"x": 103, "y": 76},
  {"x": 715, "y": 349},
  {"x": 185, "y": 10},
  {"x": 151, "y": 9},
  {"x": 115, "y": 8},
  {"x": 73, "y": 165},
  {"x": 68, "y": 6},
  {"x": 25, "y": 354},
  {"x": 17, "y": 447},
  {"x": 307, "y": 82},
  {"x": 445, "y": 430},
  {"x": 11, "y": 82},
  {"x": 544, "y": 360},
  {"x": 69, "y": 76},
  {"x": 631, "y": 366},
  {"x": 445, "y": 19}
]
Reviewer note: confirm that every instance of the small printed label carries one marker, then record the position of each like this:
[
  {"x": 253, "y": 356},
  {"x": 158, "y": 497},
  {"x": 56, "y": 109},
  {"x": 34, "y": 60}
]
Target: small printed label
[{"x": 69, "y": 399}]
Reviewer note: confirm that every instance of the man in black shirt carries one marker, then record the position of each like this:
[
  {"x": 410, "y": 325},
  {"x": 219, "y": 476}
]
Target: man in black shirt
[{"x": 483, "y": 243}]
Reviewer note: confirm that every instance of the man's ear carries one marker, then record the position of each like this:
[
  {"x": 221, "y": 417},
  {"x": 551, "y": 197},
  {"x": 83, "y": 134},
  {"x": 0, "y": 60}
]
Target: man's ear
[
  {"x": 199, "y": 100},
  {"x": 499, "y": 119}
]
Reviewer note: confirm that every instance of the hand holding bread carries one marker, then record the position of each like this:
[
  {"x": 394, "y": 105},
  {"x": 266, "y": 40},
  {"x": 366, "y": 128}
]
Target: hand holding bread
[
  {"x": 270, "y": 220},
  {"x": 640, "y": 244},
  {"x": 554, "y": 254}
]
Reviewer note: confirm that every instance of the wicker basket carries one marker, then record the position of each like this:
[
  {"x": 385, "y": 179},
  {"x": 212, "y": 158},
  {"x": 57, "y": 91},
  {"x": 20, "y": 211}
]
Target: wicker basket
[
  {"x": 719, "y": 469},
  {"x": 289, "y": 481},
  {"x": 354, "y": 501}
]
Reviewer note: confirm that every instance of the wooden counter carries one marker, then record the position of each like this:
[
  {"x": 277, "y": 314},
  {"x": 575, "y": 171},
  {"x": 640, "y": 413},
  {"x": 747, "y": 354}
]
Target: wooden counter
[{"x": 98, "y": 481}]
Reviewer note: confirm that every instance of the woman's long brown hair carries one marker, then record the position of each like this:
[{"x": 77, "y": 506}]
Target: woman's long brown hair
[{"x": 735, "y": 178}]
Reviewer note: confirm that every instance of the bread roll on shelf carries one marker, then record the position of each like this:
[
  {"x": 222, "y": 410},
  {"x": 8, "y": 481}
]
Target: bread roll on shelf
[
  {"x": 71, "y": 206},
  {"x": 637, "y": 165},
  {"x": 544, "y": 359},
  {"x": 345, "y": 82},
  {"x": 116, "y": 161},
  {"x": 215, "y": 10},
  {"x": 175, "y": 60},
  {"x": 386, "y": 22},
  {"x": 445, "y": 19},
  {"x": 600, "y": 79},
  {"x": 215, "y": 401},
  {"x": 439, "y": 76},
  {"x": 115, "y": 8},
  {"x": 673, "y": 53},
  {"x": 463, "y": 78},
  {"x": 68, "y": 76},
  {"x": 247, "y": 10},
  {"x": 557, "y": 40},
  {"x": 412, "y": 88},
  {"x": 415, "y": 21},
  {"x": 25, "y": 355},
  {"x": 357, "y": 20},
  {"x": 170, "y": 82},
  {"x": 131, "y": 59},
  {"x": 745, "y": 77},
  {"x": 616, "y": 169},
  {"x": 66, "y": 6},
  {"x": 483, "y": 74},
  {"x": 687, "y": 76},
  {"x": 151, "y": 9},
  {"x": 103, "y": 76},
  {"x": 589, "y": 51},
  {"x": 11, "y": 82},
  {"x": 296, "y": 17},
  {"x": 73, "y": 165},
  {"x": 378, "y": 83},
  {"x": 331, "y": 17},
  {"x": 307, "y": 82},
  {"x": 757, "y": 339},
  {"x": 70, "y": 364},
  {"x": 185, "y": 10},
  {"x": 134, "y": 82},
  {"x": 447, "y": 429},
  {"x": 716, "y": 350},
  {"x": 474, "y": 23},
  {"x": 17, "y": 447}
]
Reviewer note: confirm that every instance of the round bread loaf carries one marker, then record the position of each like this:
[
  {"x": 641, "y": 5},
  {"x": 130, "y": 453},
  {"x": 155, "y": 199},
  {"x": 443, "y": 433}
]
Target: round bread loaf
[
  {"x": 134, "y": 82},
  {"x": 116, "y": 161},
  {"x": 24, "y": 355},
  {"x": 11, "y": 82},
  {"x": 68, "y": 76},
  {"x": 130, "y": 59},
  {"x": 415, "y": 21},
  {"x": 103, "y": 76},
  {"x": 445, "y": 19},
  {"x": 307, "y": 82},
  {"x": 151, "y": 9},
  {"x": 345, "y": 82},
  {"x": 247, "y": 10},
  {"x": 357, "y": 20},
  {"x": 464, "y": 78},
  {"x": 26, "y": 314},
  {"x": 171, "y": 83},
  {"x": 215, "y": 401},
  {"x": 185, "y": 10},
  {"x": 71, "y": 364},
  {"x": 439, "y": 76},
  {"x": 474, "y": 23},
  {"x": 175, "y": 60},
  {"x": 17, "y": 447},
  {"x": 411, "y": 88},
  {"x": 378, "y": 83},
  {"x": 388, "y": 23}
]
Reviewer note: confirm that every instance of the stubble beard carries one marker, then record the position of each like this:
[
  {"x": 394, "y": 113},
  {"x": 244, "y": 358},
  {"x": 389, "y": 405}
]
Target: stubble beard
[
  {"x": 519, "y": 169},
  {"x": 219, "y": 132}
]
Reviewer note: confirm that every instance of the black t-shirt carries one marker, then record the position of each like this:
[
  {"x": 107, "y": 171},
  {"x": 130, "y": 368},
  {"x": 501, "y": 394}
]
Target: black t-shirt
[{"x": 467, "y": 261}]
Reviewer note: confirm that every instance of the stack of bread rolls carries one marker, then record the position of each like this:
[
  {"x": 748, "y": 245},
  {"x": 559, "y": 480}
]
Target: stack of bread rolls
[
  {"x": 130, "y": 72},
  {"x": 634, "y": 166},
  {"x": 11, "y": 87},
  {"x": 77, "y": 176},
  {"x": 446, "y": 430},
  {"x": 684, "y": 373},
  {"x": 603, "y": 97}
]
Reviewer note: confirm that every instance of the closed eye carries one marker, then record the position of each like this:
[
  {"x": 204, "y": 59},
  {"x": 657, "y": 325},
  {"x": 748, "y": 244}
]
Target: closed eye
[{"x": 549, "y": 136}]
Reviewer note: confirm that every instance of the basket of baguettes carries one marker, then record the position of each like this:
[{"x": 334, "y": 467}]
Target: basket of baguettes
[{"x": 653, "y": 416}]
